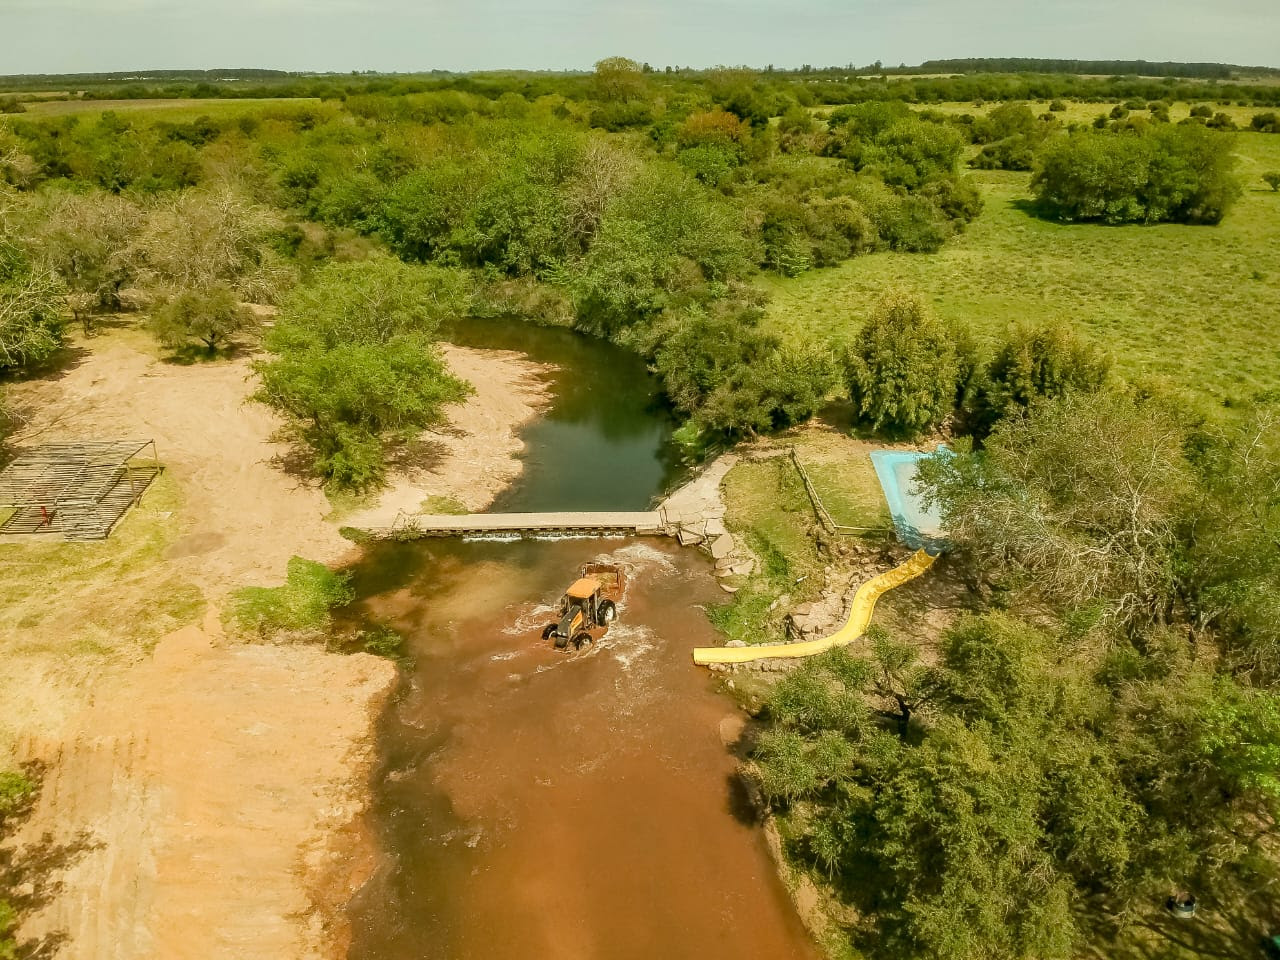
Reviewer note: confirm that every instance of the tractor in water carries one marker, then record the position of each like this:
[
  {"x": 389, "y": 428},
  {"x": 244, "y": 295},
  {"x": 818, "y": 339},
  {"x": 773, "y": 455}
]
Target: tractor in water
[{"x": 591, "y": 601}]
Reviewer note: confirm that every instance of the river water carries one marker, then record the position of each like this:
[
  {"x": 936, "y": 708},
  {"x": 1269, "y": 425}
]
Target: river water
[{"x": 536, "y": 804}]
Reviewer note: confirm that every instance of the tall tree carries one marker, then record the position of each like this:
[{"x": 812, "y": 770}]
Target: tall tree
[
  {"x": 355, "y": 366},
  {"x": 904, "y": 367},
  {"x": 32, "y": 299}
]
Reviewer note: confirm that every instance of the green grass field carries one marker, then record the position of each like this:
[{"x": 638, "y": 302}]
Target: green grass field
[{"x": 1199, "y": 306}]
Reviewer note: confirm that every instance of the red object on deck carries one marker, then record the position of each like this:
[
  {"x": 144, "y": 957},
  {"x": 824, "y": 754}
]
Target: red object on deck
[{"x": 44, "y": 513}]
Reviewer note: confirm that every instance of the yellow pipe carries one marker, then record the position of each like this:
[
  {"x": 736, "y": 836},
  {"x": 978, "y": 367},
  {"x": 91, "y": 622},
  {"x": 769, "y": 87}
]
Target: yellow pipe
[{"x": 864, "y": 604}]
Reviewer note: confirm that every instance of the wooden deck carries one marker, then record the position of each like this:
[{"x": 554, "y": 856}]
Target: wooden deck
[
  {"x": 76, "y": 491},
  {"x": 530, "y": 524}
]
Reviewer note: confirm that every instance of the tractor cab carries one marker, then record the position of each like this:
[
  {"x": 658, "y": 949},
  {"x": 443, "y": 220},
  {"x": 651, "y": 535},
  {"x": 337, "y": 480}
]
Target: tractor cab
[{"x": 589, "y": 602}]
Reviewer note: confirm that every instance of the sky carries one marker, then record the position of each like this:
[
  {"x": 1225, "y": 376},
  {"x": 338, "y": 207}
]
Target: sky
[{"x": 72, "y": 36}]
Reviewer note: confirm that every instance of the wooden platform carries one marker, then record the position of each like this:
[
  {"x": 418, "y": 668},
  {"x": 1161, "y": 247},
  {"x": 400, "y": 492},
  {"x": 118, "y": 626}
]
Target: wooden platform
[
  {"x": 76, "y": 491},
  {"x": 530, "y": 524}
]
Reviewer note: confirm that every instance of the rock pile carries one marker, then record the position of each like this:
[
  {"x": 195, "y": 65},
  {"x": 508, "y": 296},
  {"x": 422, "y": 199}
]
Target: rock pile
[{"x": 694, "y": 514}]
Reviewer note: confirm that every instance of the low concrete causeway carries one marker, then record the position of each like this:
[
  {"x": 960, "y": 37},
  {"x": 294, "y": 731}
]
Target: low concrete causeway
[{"x": 478, "y": 524}]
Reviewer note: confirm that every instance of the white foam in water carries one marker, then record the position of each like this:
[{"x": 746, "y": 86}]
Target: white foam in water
[
  {"x": 535, "y": 618},
  {"x": 627, "y": 643},
  {"x": 639, "y": 556},
  {"x": 490, "y": 537}
]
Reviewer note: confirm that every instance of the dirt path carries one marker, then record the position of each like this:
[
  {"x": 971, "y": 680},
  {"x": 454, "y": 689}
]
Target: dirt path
[
  {"x": 218, "y": 787},
  {"x": 215, "y": 796}
]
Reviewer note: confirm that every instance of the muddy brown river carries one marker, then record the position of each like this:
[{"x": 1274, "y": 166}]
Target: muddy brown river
[{"x": 538, "y": 804}]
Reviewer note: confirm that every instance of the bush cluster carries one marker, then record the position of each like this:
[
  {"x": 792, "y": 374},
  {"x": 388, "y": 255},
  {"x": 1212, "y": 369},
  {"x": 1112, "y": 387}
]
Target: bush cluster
[{"x": 1181, "y": 174}]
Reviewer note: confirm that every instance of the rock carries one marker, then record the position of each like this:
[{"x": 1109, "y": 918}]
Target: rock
[
  {"x": 802, "y": 610},
  {"x": 735, "y": 643},
  {"x": 715, "y": 527},
  {"x": 722, "y": 546},
  {"x": 728, "y": 589},
  {"x": 731, "y": 728},
  {"x": 688, "y": 538}
]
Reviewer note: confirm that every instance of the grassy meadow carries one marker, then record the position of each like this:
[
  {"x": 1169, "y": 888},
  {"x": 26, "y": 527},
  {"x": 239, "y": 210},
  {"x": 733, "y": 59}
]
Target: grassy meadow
[{"x": 1198, "y": 306}]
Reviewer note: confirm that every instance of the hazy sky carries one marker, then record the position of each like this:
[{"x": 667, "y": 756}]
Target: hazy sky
[{"x": 57, "y": 36}]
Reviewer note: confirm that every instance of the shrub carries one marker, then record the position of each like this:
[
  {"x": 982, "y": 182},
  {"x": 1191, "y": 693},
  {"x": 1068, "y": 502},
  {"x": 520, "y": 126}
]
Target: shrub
[
  {"x": 1057, "y": 106},
  {"x": 1266, "y": 122},
  {"x": 210, "y": 316},
  {"x": 904, "y": 368},
  {"x": 301, "y": 605},
  {"x": 1202, "y": 110},
  {"x": 1013, "y": 153},
  {"x": 382, "y": 642},
  {"x": 17, "y": 790},
  {"x": 1272, "y": 179}
]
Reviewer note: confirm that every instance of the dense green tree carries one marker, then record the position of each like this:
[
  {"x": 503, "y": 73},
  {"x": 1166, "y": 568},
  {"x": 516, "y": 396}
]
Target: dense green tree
[
  {"x": 1232, "y": 556},
  {"x": 354, "y": 365},
  {"x": 1033, "y": 795},
  {"x": 619, "y": 79},
  {"x": 661, "y": 237},
  {"x": 909, "y": 153},
  {"x": 1031, "y": 364},
  {"x": 1004, "y": 121},
  {"x": 904, "y": 368},
  {"x": 1181, "y": 174},
  {"x": 734, "y": 378}
]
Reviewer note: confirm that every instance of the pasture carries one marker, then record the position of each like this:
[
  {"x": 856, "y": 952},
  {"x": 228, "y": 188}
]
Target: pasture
[{"x": 1192, "y": 305}]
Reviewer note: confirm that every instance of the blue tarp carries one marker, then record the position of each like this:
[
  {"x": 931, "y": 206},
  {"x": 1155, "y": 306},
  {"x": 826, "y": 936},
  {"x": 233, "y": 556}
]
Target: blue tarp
[{"x": 916, "y": 525}]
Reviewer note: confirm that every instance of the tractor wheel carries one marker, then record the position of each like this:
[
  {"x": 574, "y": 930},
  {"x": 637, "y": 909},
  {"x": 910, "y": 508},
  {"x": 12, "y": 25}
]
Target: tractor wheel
[
  {"x": 562, "y": 642},
  {"x": 548, "y": 630},
  {"x": 581, "y": 640},
  {"x": 607, "y": 613}
]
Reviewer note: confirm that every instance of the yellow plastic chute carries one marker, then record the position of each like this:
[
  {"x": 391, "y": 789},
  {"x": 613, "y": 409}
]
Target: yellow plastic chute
[{"x": 864, "y": 604}]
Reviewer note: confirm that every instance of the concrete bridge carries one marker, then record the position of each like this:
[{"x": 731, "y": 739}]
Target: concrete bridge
[{"x": 607, "y": 523}]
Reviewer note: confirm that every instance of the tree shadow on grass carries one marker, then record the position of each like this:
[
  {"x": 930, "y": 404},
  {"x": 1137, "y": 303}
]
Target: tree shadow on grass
[
  {"x": 1031, "y": 208},
  {"x": 191, "y": 354}
]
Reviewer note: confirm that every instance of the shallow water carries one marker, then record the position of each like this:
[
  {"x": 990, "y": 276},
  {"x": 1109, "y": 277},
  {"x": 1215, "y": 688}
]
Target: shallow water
[{"x": 537, "y": 804}]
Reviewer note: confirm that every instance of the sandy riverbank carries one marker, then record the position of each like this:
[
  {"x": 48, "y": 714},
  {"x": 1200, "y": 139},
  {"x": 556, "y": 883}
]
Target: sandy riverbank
[{"x": 213, "y": 790}]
